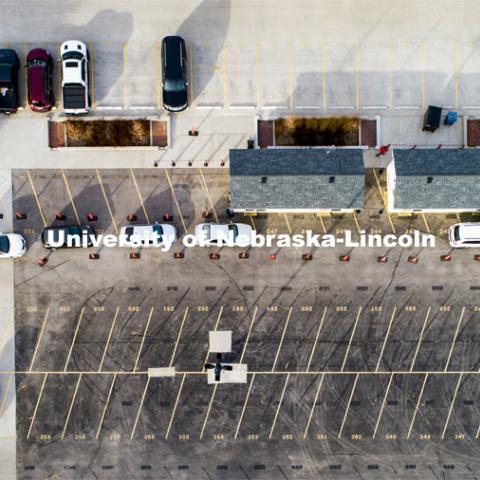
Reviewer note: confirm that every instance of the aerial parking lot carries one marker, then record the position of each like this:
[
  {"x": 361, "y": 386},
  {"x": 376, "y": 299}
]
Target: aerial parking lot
[{"x": 342, "y": 357}]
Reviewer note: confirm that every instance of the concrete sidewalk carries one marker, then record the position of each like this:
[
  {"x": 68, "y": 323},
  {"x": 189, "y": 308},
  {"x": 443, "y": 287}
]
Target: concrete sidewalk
[{"x": 7, "y": 341}]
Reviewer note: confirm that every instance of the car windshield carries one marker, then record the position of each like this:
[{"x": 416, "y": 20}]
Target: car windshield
[
  {"x": 233, "y": 228},
  {"x": 159, "y": 231},
  {"x": 72, "y": 56},
  {"x": 456, "y": 233},
  {"x": 206, "y": 231},
  {"x": 37, "y": 62},
  {"x": 174, "y": 85},
  {"x": 71, "y": 65},
  {"x": 4, "y": 244}
]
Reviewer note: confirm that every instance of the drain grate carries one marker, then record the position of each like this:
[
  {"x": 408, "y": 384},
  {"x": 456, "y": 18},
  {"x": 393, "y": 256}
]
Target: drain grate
[
  {"x": 29, "y": 467},
  {"x": 259, "y": 467},
  {"x": 400, "y": 288},
  {"x": 335, "y": 467},
  {"x": 285, "y": 289},
  {"x": 222, "y": 467},
  {"x": 184, "y": 467},
  {"x": 133, "y": 289},
  {"x": 69, "y": 467},
  {"x": 107, "y": 467},
  {"x": 468, "y": 402},
  {"x": 172, "y": 288},
  {"x": 373, "y": 467},
  {"x": 210, "y": 288},
  {"x": 145, "y": 467},
  {"x": 392, "y": 403},
  {"x": 362, "y": 288},
  {"x": 410, "y": 466},
  {"x": 437, "y": 287},
  {"x": 126, "y": 403},
  {"x": 248, "y": 288},
  {"x": 475, "y": 287},
  {"x": 449, "y": 467},
  {"x": 324, "y": 289}
]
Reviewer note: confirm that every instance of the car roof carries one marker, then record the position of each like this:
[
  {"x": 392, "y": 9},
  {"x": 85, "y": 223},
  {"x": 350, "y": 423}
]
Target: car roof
[
  {"x": 470, "y": 231},
  {"x": 36, "y": 83},
  {"x": 8, "y": 55},
  {"x": 38, "y": 53},
  {"x": 173, "y": 45}
]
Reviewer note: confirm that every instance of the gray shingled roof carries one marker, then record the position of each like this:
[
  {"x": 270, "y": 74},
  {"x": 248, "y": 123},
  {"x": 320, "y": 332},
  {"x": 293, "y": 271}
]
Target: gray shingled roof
[
  {"x": 296, "y": 178},
  {"x": 455, "y": 182}
]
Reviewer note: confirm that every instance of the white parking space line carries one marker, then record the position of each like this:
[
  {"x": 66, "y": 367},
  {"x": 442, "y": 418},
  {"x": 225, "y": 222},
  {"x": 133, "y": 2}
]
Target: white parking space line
[
  {"x": 309, "y": 421},
  {"x": 140, "y": 408},
  {"x": 140, "y": 197},
  {"x": 444, "y": 431},
  {"x": 281, "y": 340},
  {"x": 175, "y": 407},
  {"x": 107, "y": 203},
  {"x": 32, "y": 421},
  {"x": 382, "y": 407},
  {"x": 316, "y": 338},
  {"x": 143, "y": 339},
  {"x": 244, "y": 406},
  {"x": 419, "y": 399},
  {"x": 79, "y": 321},
  {"x": 454, "y": 338},
  {"x": 420, "y": 339},
  {"x": 348, "y": 406},
  {"x": 214, "y": 329},
  {"x": 278, "y": 407},
  {"x": 42, "y": 329},
  {"x": 37, "y": 201},
  {"x": 385, "y": 339},
  {"x": 208, "y": 410},
  {"x": 71, "y": 406},
  {"x": 203, "y": 182},
  {"x": 175, "y": 200},
  {"x": 69, "y": 192},
  {"x": 10, "y": 381},
  {"x": 351, "y": 338},
  {"x": 108, "y": 339},
  {"x": 248, "y": 335},
  {"x": 178, "y": 337},
  {"x": 107, "y": 402}
]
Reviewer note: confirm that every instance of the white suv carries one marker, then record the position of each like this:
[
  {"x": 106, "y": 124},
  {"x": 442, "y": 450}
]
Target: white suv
[
  {"x": 12, "y": 245},
  {"x": 156, "y": 235},
  {"x": 464, "y": 235},
  {"x": 212, "y": 234},
  {"x": 75, "y": 82}
]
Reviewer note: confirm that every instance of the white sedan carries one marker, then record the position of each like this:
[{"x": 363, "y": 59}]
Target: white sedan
[
  {"x": 211, "y": 234},
  {"x": 12, "y": 245},
  {"x": 156, "y": 235}
]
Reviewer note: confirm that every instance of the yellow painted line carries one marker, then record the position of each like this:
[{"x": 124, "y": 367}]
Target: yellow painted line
[
  {"x": 357, "y": 78},
  {"x": 10, "y": 381},
  {"x": 225, "y": 74},
  {"x": 208, "y": 410},
  {"x": 351, "y": 338},
  {"x": 244, "y": 406},
  {"x": 71, "y": 406},
  {"x": 316, "y": 338},
  {"x": 248, "y": 334},
  {"x": 278, "y": 408},
  {"x": 324, "y": 78},
  {"x": 214, "y": 329},
  {"x": 140, "y": 408},
  {"x": 175, "y": 407},
  {"x": 178, "y": 337},
  {"x": 451, "y": 407},
  {"x": 108, "y": 339},
  {"x": 258, "y": 74},
  {"x": 281, "y": 339},
  {"x": 253, "y": 223},
  {"x": 290, "y": 75},
  {"x": 382, "y": 407},
  {"x": 288, "y": 223},
  {"x": 70, "y": 196},
  {"x": 356, "y": 222},
  {"x": 322, "y": 223},
  {"x": 158, "y": 74},
  {"x": 36, "y": 198},
  {"x": 420, "y": 395},
  {"x": 39, "y": 339},
  {"x": 385, "y": 339},
  {"x": 425, "y": 222},
  {"x": 125, "y": 77},
  {"x": 175, "y": 200},
  {"x": 458, "y": 217},
  {"x": 143, "y": 339},
  {"x": 390, "y": 77},
  {"x": 74, "y": 338},
  {"x": 391, "y": 223},
  {"x": 190, "y": 71},
  {"x": 313, "y": 406},
  {"x": 424, "y": 66},
  {"x": 205, "y": 186},
  {"x": 92, "y": 76},
  {"x": 348, "y": 406},
  {"x": 104, "y": 412},
  {"x": 106, "y": 200},
  {"x": 377, "y": 181},
  {"x": 36, "y": 405},
  {"x": 454, "y": 339},
  {"x": 420, "y": 339},
  {"x": 140, "y": 198}
]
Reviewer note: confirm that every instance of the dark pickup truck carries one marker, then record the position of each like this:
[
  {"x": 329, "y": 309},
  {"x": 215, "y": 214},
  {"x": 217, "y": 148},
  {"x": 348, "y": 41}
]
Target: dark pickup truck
[{"x": 9, "y": 65}]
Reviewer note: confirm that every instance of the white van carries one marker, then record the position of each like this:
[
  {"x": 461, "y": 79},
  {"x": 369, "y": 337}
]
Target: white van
[{"x": 463, "y": 235}]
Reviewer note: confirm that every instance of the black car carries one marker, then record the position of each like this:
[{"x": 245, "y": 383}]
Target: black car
[
  {"x": 174, "y": 74},
  {"x": 9, "y": 65},
  {"x": 57, "y": 237}
]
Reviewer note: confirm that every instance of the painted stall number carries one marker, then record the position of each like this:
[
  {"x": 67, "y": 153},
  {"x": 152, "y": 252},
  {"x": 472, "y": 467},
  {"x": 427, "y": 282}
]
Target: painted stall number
[
  {"x": 376, "y": 308},
  {"x": 64, "y": 309},
  {"x": 341, "y": 308},
  {"x": 445, "y": 308},
  {"x": 237, "y": 308},
  {"x": 425, "y": 436},
  {"x": 45, "y": 436},
  {"x": 149, "y": 436},
  {"x": 306, "y": 308},
  {"x": 184, "y": 436},
  {"x": 80, "y": 436},
  {"x": 219, "y": 436},
  {"x": 410, "y": 308},
  {"x": 356, "y": 436},
  {"x": 32, "y": 309},
  {"x": 390, "y": 436},
  {"x": 287, "y": 436},
  {"x": 252, "y": 436},
  {"x": 98, "y": 309},
  {"x": 114, "y": 436},
  {"x": 133, "y": 308},
  {"x": 168, "y": 308},
  {"x": 202, "y": 308},
  {"x": 321, "y": 436},
  {"x": 272, "y": 308}
]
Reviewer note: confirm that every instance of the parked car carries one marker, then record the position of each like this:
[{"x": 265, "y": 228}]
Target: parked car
[
  {"x": 9, "y": 65},
  {"x": 40, "y": 80},
  {"x": 75, "y": 82},
  {"x": 463, "y": 235},
  {"x": 212, "y": 233},
  {"x": 145, "y": 234},
  {"x": 12, "y": 245},
  {"x": 57, "y": 237},
  {"x": 174, "y": 74}
]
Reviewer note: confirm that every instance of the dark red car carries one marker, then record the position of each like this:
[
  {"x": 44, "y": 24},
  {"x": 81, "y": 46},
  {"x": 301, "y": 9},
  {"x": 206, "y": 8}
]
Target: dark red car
[{"x": 40, "y": 80}]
